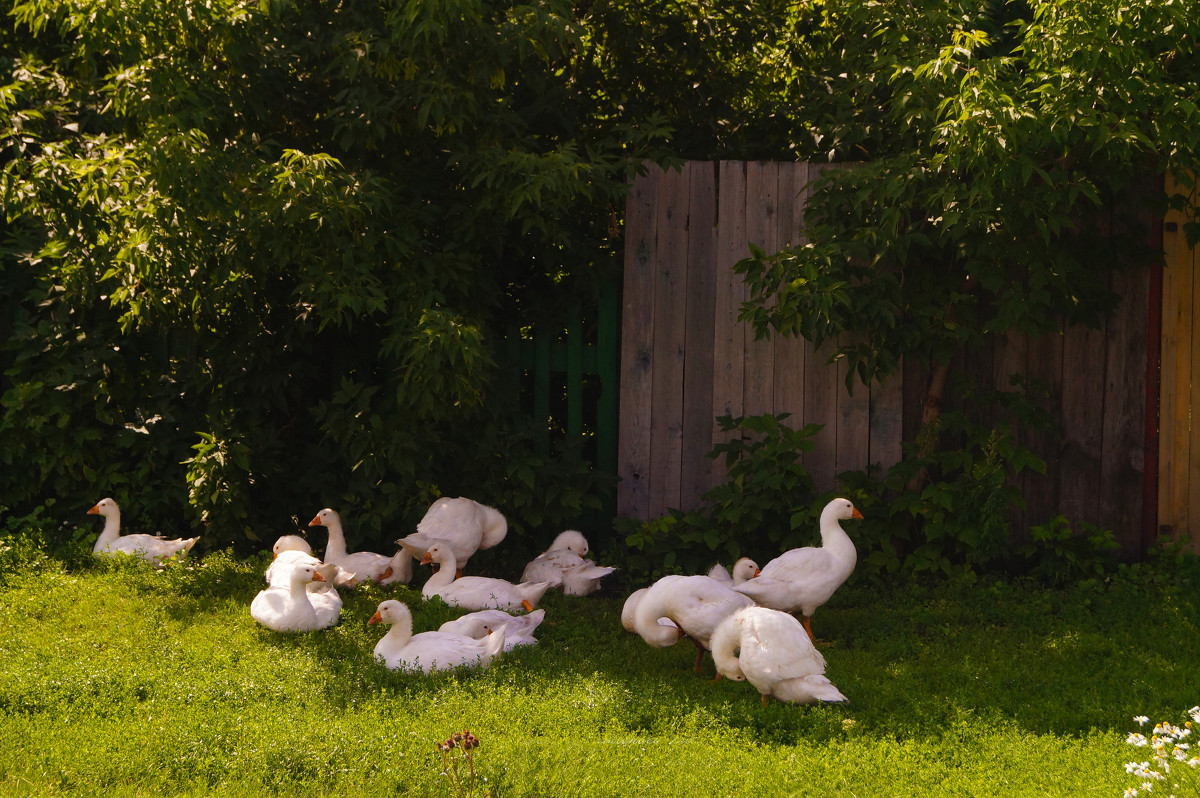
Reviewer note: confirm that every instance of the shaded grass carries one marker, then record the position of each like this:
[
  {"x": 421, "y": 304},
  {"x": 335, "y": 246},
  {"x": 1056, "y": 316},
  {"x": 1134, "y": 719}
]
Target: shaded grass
[{"x": 126, "y": 681}]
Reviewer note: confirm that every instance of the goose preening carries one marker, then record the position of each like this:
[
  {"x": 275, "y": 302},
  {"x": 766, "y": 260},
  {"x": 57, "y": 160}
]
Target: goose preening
[
  {"x": 519, "y": 629},
  {"x": 464, "y": 524},
  {"x": 564, "y": 565},
  {"x": 804, "y": 579},
  {"x": 152, "y": 548},
  {"x": 772, "y": 650},
  {"x": 291, "y": 608},
  {"x": 695, "y": 605},
  {"x": 367, "y": 565},
  {"x": 476, "y": 592},
  {"x": 400, "y": 649},
  {"x": 745, "y": 568}
]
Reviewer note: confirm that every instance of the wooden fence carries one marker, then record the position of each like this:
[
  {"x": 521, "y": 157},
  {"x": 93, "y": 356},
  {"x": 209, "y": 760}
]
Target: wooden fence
[
  {"x": 686, "y": 359},
  {"x": 1179, "y": 436}
]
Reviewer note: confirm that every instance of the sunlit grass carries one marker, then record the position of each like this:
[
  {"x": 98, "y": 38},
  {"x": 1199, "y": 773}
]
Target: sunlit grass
[{"x": 119, "y": 680}]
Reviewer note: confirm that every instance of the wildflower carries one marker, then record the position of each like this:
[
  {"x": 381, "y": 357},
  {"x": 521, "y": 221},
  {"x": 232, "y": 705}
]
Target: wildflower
[
  {"x": 1129, "y": 792},
  {"x": 1141, "y": 720},
  {"x": 1137, "y": 739}
]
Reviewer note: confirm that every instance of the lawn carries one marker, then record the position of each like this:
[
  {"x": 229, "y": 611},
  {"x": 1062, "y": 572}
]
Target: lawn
[{"x": 123, "y": 681}]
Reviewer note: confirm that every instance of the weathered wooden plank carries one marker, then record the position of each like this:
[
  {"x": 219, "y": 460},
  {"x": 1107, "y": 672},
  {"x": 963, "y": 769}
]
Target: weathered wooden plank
[
  {"x": 1170, "y": 379},
  {"x": 886, "y": 421},
  {"x": 1186, "y": 258},
  {"x": 854, "y": 422},
  {"x": 1010, "y": 358},
  {"x": 762, "y": 230},
  {"x": 790, "y": 351},
  {"x": 1045, "y": 368},
  {"x": 1122, "y": 463},
  {"x": 670, "y": 314},
  {"x": 1082, "y": 423},
  {"x": 637, "y": 347},
  {"x": 700, "y": 293},
  {"x": 820, "y": 407},
  {"x": 729, "y": 335}
]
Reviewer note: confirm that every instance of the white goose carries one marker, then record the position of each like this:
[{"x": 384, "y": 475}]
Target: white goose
[
  {"x": 292, "y": 550},
  {"x": 519, "y": 629},
  {"x": 476, "y": 592},
  {"x": 400, "y": 649},
  {"x": 745, "y": 568},
  {"x": 564, "y": 565},
  {"x": 804, "y": 579},
  {"x": 366, "y": 565},
  {"x": 696, "y": 604},
  {"x": 152, "y": 548},
  {"x": 771, "y": 650},
  {"x": 465, "y": 524},
  {"x": 291, "y": 608}
]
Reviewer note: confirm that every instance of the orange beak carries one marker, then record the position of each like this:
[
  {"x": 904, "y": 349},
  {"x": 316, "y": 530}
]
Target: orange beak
[
  {"x": 757, "y": 571},
  {"x": 317, "y": 577},
  {"x": 376, "y": 618},
  {"x": 426, "y": 560},
  {"x": 316, "y": 521},
  {"x": 94, "y": 511},
  {"x": 856, "y": 513}
]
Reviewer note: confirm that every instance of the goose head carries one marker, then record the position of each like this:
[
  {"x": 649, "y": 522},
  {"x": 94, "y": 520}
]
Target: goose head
[
  {"x": 390, "y": 612},
  {"x": 290, "y": 543},
  {"x": 324, "y": 518},
  {"x": 106, "y": 508},
  {"x": 839, "y": 510},
  {"x": 745, "y": 568},
  {"x": 571, "y": 539}
]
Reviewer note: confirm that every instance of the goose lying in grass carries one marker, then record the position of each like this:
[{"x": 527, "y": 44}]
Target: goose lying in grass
[
  {"x": 519, "y": 629},
  {"x": 367, "y": 565},
  {"x": 291, "y": 608},
  {"x": 464, "y": 524},
  {"x": 154, "y": 549},
  {"x": 745, "y": 568},
  {"x": 476, "y": 592},
  {"x": 695, "y": 604},
  {"x": 400, "y": 649},
  {"x": 804, "y": 579},
  {"x": 564, "y": 565},
  {"x": 772, "y": 650}
]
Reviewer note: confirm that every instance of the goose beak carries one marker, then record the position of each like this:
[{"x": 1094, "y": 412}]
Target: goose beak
[
  {"x": 426, "y": 560},
  {"x": 856, "y": 513},
  {"x": 94, "y": 511},
  {"x": 386, "y": 573},
  {"x": 316, "y": 521},
  {"x": 317, "y": 577},
  {"x": 757, "y": 571},
  {"x": 376, "y": 618}
]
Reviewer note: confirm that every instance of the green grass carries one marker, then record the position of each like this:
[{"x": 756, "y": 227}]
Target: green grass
[{"x": 122, "y": 681}]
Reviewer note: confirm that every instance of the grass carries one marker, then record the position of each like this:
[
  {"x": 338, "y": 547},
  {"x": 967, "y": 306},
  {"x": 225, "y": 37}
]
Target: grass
[{"x": 120, "y": 680}]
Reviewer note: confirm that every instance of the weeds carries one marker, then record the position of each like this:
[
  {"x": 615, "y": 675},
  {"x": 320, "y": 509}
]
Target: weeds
[{"x": 458, "y": 763}]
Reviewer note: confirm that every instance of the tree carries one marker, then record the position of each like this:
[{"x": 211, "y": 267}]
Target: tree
[{"x": 260, "y": 257}]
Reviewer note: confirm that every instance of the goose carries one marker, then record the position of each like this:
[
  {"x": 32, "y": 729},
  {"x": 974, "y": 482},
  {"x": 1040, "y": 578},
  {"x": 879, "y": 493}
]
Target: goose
[
  {"x": 464, "y": 524},
  {"x": 629, "y": 609},
  {"x": 153, "y": 548},
  {"x": 563, "y": 565},
  {"x": 476, "y": 592},
  {"x": 291, "y": 550},
  {"x": 745, "y": 568},
  {"x": 804, "y": 579},
  {"x": 291, "y": 608},
  {"x": 400, "y": 649},
  {"x": 519, "y": 629},
  {"x": 367, "y": 565},
  {"x": 696, "y": 604},
  {"x": 772, "y": 650}
]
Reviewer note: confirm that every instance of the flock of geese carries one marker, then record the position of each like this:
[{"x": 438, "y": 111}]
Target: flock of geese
[{"x": 742, "y": 616}]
